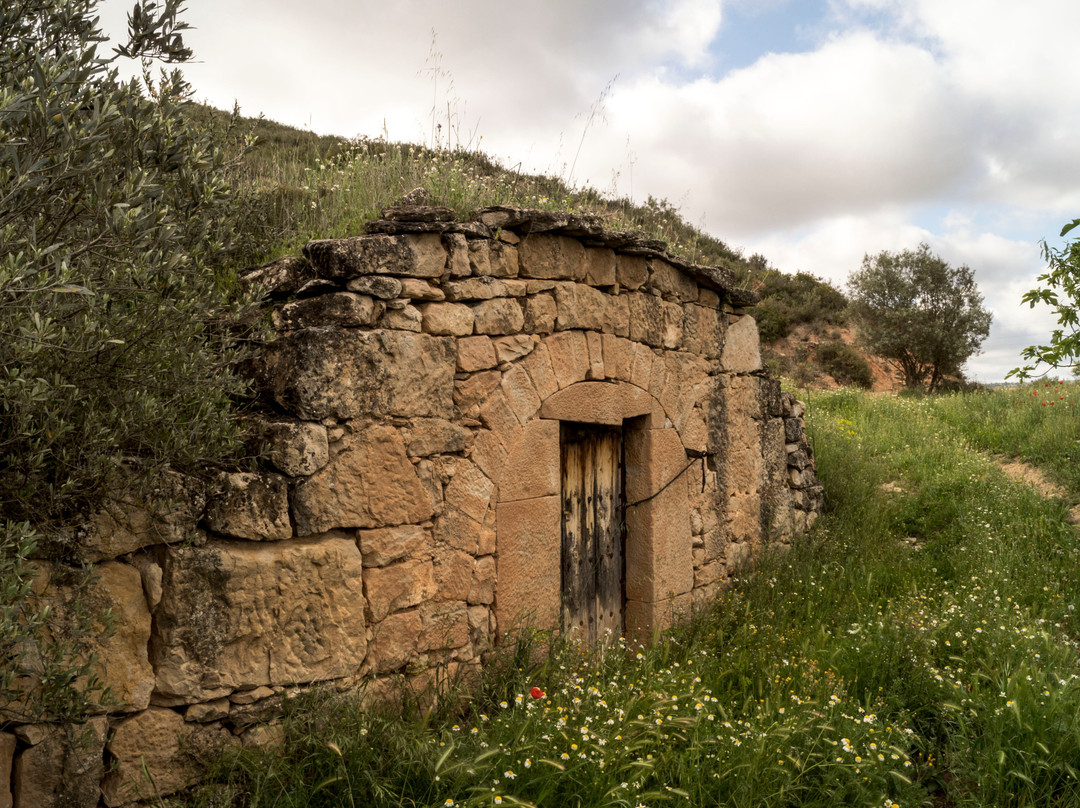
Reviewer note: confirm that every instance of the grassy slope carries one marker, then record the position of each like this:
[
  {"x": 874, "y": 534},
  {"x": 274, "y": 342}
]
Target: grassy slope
[{"x": 920, "y": 648}]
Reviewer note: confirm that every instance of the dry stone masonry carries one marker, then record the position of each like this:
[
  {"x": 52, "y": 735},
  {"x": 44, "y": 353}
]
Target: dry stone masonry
[{"x": 426, "y": 386}]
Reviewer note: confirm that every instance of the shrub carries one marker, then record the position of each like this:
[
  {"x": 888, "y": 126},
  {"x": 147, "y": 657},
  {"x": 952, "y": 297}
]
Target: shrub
[{"x": 845, "y": 364}]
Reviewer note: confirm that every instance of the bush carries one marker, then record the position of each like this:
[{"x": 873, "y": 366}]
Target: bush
[
  {"x": 788, "y": 300},
  {"x": 845, "y": 364}
]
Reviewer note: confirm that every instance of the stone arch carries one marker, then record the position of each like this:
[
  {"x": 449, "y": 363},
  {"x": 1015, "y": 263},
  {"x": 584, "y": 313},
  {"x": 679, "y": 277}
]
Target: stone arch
[{"x": 658, "y": 553}]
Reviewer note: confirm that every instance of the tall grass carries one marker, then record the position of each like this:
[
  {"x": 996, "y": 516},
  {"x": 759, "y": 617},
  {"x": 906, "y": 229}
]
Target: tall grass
[
  {"x": 295, "y": 186},
  {"x": 919, "y": 648}
]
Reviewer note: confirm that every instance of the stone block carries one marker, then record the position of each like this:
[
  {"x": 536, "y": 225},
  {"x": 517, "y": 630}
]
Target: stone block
[
  {"x": 369, "y": 482},
  {"x": 499, "y": 316},
  {"x": 157, "y": 753},
  {"x": 489, "y": 454},
  {"x": 447, "y": 319},
  {"x": 455, "y": 529},
  {"x": 569, "y": 357},
  {"x": 551, "y": 257},
  {"x": 415, "y": 256},
  {"x": 482, "y": 586},
  {"x": 444, "y": 626},
  {"x": 380, "y": 286},
  {"x": 503, "y": 260},
  {"x": 343, "y": 309},
  {"x": 540, "y": 314},
  {"x": 600, "y": 266},
  {"x": 398, "y": 586},
  {"x": 208, "y": 711},
  {"x": 701, "y": 331},
  {"x": 481, "y": 288},
  {"x": 617, "y": 357},
  {"x": 671, "y": 283},
  {"x": 641, "y": 365},
  {"x": 469, "y": 490},
  {"x": 119, "y": 658},
  {"x": 532, "y": 465},
  {"x": 659, "y": 549},
  {"x": 510, "y": 349},
  {"x": 230, "y": 619},
  {"x": 709, "y": 298},
  {"x": 458, "y": 248},
  {"x": 646, "y": 319},
  {"x": 297, "y": 448},
  {"x": 520, "y": 393},
  {"x": 453, "y": 574},
  {"x": 417, "y": 289},
  {"x": 538, "y": 366},
  {"x": 250, "y": 506},
  {"x": 429, "y": 436},
  {"x": 742, "y": 349},
  {"x": 599, "y": 403},
  {"x": 406, "y": 318},
  {"x": 631, "y": 271},
  {"x": 386, "y": 545},
  {"x": 528, "y": 563},
  {"x": 580, "y": 306},
  {"x": 394, "y": 640},
  {"x": 618, "y": 316},
  {"x": 318, "y": 373},
  {"x": 63, "y": 770},
  {"x": 497, "y": 414},
  {"x": 476, "y": 353},
  {"x": 595, "y": 345}
]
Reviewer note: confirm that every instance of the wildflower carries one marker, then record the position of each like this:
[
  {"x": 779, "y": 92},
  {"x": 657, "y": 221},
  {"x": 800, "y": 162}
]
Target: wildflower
[
  {"x": 537, "y": 693},
  {"x": 509, "y": 775}
]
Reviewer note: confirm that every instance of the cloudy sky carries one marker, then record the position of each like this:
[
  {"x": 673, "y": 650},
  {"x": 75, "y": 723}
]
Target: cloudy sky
[{"x": 812, "y": 131}]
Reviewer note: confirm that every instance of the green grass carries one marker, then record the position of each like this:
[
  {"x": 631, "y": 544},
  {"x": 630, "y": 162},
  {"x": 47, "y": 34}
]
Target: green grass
[
  {"x": 296, "y": 186},
  {"x": 919, "y": 648}
]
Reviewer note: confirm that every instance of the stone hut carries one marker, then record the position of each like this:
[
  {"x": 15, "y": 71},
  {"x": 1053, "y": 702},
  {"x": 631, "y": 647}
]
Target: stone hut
[{"x": 523, "y": 419}]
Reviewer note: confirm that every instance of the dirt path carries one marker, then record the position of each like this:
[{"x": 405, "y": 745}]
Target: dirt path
[{"x": 1031, "y": 475}]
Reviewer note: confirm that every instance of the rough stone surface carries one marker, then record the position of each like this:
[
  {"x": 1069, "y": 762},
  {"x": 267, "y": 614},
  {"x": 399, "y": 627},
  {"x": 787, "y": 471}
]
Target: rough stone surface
[
  {"x": 237, "y": 615},
  {"x": 341, "y": 309},
  {"x": 317, "y": 373},
  {"x": 476, "y": 353},
  {"x": 369, "y": 482},
  {"x": 398, "y": 586},
  {"x": 742, "y": 349},
  {"x": 63, "y": 770},
  {"x": 379, "y": 286},
  {"x": 419, "y": 256},
  {"x": 554, "y": 257},
  {"x": 168, "y": 515},
  {"x": 428, "y": 436},
  {"x": 389, "y": 544},
  {"x": 297, "y": 448},
  {"x": 447, "y": 319},
  {"x": 528, "y": 563},
  {"x": 499, "y": 316},
  {"x": 157, "y": 753},
  {"x": 251, "y": 506}
]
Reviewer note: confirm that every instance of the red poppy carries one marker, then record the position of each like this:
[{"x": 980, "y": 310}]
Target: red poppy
[{"x": 536, "y": 693}]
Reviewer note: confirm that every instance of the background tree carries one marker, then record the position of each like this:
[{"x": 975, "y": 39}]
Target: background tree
[
  {"x": 1061, "y": 290},
  {"x": 115, "y": 220},
  {"x": 916, "y": 310}
]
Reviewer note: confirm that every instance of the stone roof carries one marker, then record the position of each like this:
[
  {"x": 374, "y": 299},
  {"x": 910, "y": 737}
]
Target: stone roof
[{"x": 589, "y": 229}]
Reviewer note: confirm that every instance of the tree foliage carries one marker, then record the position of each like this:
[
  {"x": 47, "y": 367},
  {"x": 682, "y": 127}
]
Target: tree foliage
[
  {"x": 115, "y": 336},
  {"x": 1061, "y": 289},
  {"x": 917, "y": 311},
  {"x": 114, "y": 212}
]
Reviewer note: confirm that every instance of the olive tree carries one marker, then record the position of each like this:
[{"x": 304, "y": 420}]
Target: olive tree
[
  {"x": 914, "y": 309},
  {"x": 1061, "y": 289},
  {"x": 116, "y": 344}
]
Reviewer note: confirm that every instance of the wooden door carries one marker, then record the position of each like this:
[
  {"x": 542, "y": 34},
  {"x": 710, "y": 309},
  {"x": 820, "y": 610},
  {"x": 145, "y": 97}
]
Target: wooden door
[{"x": 592, "y": 531}]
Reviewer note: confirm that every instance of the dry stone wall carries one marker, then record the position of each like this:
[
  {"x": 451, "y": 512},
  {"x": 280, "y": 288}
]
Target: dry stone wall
[{"x": 414, "y": 396}]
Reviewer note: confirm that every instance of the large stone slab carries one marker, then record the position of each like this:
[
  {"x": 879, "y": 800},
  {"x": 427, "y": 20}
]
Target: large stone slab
[
  {"x": 157, "y": 753},
  {"x": 239, "y": 615},
  {"x": 369, "y": 482},
  {"x": 250, "y": 506},
  {"x": 742, "y": 348},
  {"x": 416, "y": 256},
  {"x": 528, "y": 563},
  {"x": 318, "y": 373}
]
